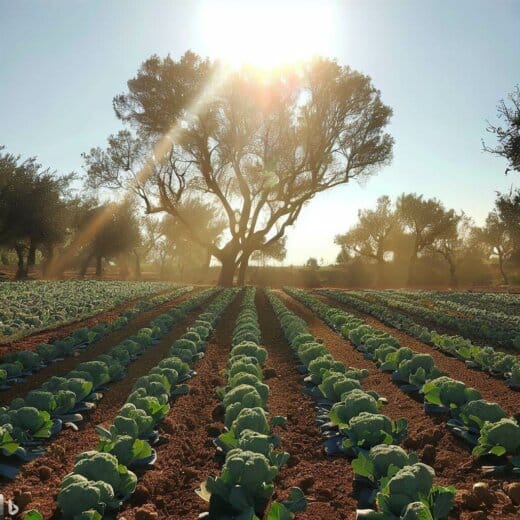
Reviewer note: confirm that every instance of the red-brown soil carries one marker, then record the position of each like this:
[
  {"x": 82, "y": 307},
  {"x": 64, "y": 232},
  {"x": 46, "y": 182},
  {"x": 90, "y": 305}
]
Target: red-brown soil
[
  {"x": 35, "y": 477},
  {"x": 105, "y": 344},
  {"x": 31, "y": 341},
  {"x": 188, "y": 455},
  {"x": 493, "y": 389},
  {"x": 326, "y": 482},
  {"x": 427, "y": 435}
]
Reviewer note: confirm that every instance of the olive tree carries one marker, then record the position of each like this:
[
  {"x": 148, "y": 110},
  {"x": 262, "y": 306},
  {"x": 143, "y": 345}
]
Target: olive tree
[{"x": 256, "y": 147}]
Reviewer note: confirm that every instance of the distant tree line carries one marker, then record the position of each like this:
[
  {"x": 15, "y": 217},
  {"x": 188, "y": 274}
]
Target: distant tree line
[{"x": 414, "y": 230}]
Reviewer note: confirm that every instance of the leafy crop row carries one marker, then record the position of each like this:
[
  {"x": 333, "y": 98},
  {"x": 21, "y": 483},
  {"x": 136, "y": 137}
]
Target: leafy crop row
[
  {"x": 349, "y": 416},
  {"x": 482, "y": 358},
  {"x": 27, "y": 422},
  {"x": 481, "y": 423},
  {"x": 17, "y": 366},
  {"x": 252, "y": 462},
  {"x": 500, "y": 329},
  {"x": 102, "y": 479},
  {"x": 29, "y": 307}
]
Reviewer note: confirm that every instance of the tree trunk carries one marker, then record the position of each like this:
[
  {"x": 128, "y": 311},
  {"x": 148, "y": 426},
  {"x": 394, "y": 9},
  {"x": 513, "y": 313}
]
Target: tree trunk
[
  {"x": 21, "y": 272},
  {"x": 47, "y": 260},
  {"x": 137, "y": 266},
  {"x": 502, "y": 271},
  {"x": 84, "y": 266},
  {"x": 380, "y": 272},
  {"x": 227, "y": 272},
  {"x": 99, "y": 266},
  {"x": 454, "y": 282},
  {"x": 31, "y": 255},
  {"x": 242, "y": 269},
  {"x": 411, "y": 269}
]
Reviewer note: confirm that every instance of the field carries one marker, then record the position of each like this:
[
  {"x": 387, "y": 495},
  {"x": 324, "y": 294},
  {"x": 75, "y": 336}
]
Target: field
[{"x": 132, "y": 410}]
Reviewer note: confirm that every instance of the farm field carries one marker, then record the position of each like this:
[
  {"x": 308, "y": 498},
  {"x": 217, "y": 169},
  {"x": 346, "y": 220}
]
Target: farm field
[
  {"x": 274, "y": 403},
  {"x": 28, "y": 308}
]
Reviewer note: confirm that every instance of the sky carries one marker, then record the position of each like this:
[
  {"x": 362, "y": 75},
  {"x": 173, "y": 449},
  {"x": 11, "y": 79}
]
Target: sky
[{"x": 441, "y": 65}]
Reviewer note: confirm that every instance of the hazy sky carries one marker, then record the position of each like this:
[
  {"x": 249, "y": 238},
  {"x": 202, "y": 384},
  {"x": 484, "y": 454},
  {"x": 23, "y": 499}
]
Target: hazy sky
[{"x": 441, "y": 65}]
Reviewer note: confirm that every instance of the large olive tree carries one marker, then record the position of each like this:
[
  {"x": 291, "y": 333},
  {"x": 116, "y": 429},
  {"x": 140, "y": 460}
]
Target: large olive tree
[{"x": 258, "y": 147}]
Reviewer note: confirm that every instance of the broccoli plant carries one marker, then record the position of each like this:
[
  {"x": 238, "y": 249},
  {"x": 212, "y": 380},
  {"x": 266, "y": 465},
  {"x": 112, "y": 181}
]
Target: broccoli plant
[
  {"x": 475, "y": 413},
  {"x": 351, "y": 405},
  {"x": 369, "y": 429},
  {"x": 127, "y": 449},
  {"x": 444, "y": 391},
  {"x": 245, "y": 484},
  {"x": 382, "y": 462},
  {"x": 411, "y": 484},
  {"x": 499, "y": 438},
  {"x": 417, "y": 370},
  {"x": 27, "y": 423}
]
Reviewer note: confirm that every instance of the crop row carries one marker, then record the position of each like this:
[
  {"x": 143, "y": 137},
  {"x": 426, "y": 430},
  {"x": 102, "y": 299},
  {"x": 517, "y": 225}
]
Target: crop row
[
  {"x": 252, "y": 462},
  {"x": 499, "y": 329},
  {"x": 350, "y": 418},
  {"x": 103, "y": 478},
  {"x": 486, "y": 359},
  {"x": 28, "y": 422},
  {"x": 481, "y": 423},
  {"x": 500, "y": 303},
  {"x": 16, "y": 367},
  {"x": 29, "y": 307}
]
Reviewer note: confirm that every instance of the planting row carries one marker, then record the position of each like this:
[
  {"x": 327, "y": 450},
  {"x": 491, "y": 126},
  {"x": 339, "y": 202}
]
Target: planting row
[
  {"x": 487, "y": 359},
  {"x": 28, "y": 422},
  {"x": 494, "y": 302},
  {"x": 16, "y": 367},
  {"x": 498, "y": 328},
  {"x": 481, "y": 423},
  {"x": 252, "y": 461},
  {"x": 103, "y": 478},
  {"x": 395, "y": 481},
  {"x": 28, "y": 307}
]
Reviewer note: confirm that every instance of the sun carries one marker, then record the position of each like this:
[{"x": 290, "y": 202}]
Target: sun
[{"x": 265, "y": 34}]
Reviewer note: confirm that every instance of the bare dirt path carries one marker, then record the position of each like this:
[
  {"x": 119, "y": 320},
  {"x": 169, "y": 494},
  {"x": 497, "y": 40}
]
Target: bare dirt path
[
  {"x": 42, "y": 477},
  {"x": 427, "y": 435},
  {"x": 491, "y": 388},
  {"x": 188, "y": 455},
  {"x": 326, "y": 481},
  {"x": 100, "y": 347}
]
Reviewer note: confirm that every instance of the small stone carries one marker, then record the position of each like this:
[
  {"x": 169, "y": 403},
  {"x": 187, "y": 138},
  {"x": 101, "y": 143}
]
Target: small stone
[
  {"x": 513, "y": 492},
  {"x": 190, "y": 473},
  {"x": 269, "y": 373},
  {"x": 293, "y": 461},
  {"x": 141, "y": 494},
  {"x": 468, "y": 500},
  {"x": 428, "y": 454},
  {"x": 44, "y": 472},
  {"x": 145, "y": 514},
  {"x": 306, "y": 483},
  {"x": 22, "y": 498},
  {"x": 483, "y": 493},
  {"x": 168, "y": 426}
]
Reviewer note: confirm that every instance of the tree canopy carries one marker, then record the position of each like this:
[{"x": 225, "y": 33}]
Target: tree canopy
[{"x": 256, "y": 148}]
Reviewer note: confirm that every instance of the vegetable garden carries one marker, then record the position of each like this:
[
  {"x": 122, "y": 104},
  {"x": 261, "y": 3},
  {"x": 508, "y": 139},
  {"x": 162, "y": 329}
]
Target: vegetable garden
[{"x": 256, "y": 403}]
